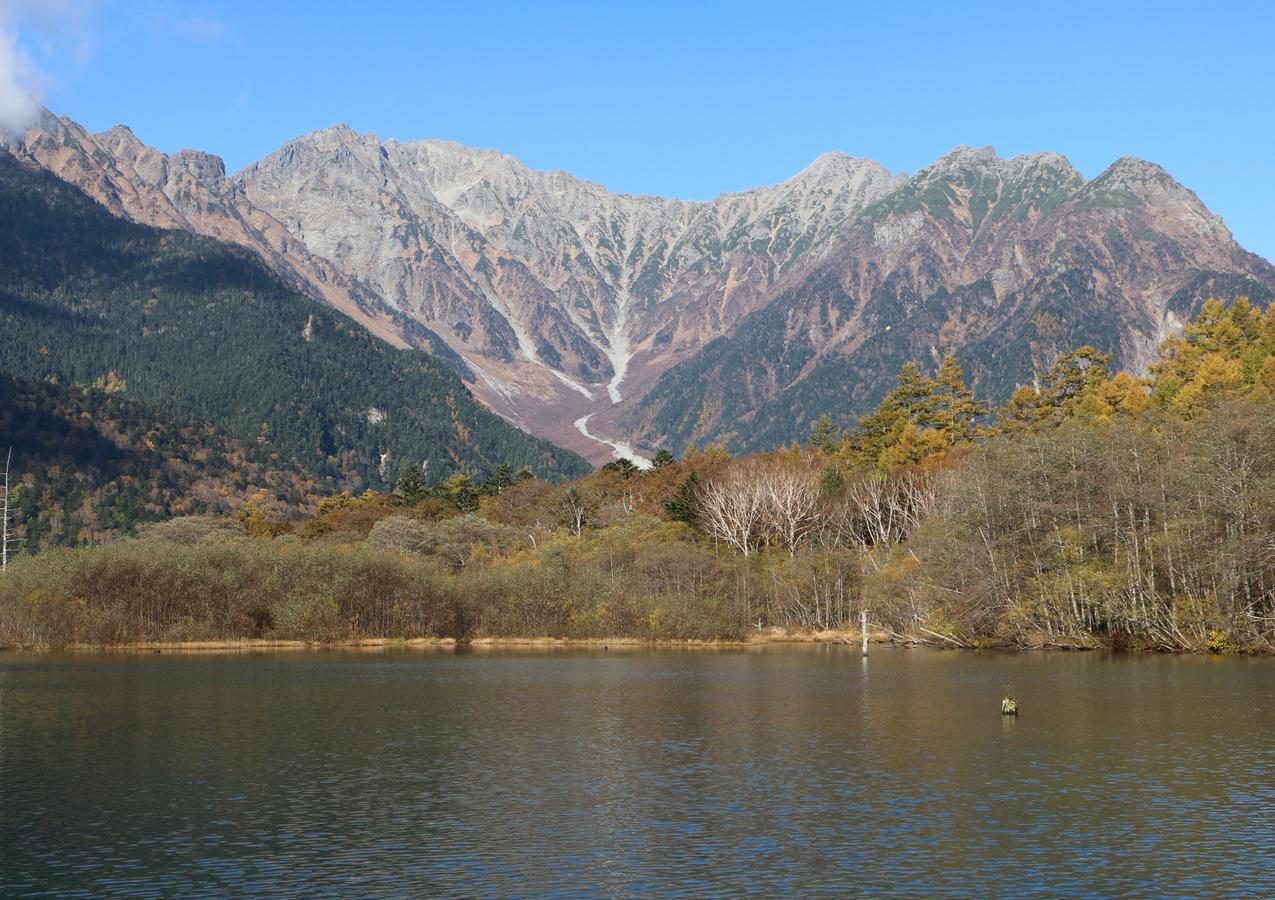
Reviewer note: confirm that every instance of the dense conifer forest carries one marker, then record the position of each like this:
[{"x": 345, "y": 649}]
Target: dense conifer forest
[
  {"x": 92, "y": 465},
  {"x": 203, "y": 331}
]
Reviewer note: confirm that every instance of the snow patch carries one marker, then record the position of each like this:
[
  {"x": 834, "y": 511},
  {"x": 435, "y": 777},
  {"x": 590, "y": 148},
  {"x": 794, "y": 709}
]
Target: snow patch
[
  {"x": 618, "y": 348},
  {"x": 572, "y": 383},
  {"x": 503, "y": 388},
  {"x": 620, "y": 448},
  {"x": 528, "y": 349}
]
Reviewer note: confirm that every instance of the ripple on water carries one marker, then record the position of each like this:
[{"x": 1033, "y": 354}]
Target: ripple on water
[{"x": 782, "y": 770}]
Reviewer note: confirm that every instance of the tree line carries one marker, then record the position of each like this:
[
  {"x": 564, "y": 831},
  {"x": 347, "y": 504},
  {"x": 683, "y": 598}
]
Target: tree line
[{"x": 1093, "y": 509}]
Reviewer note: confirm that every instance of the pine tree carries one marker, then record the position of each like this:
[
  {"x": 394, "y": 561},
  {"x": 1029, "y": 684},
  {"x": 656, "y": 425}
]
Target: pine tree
[
  {"x": 1073, "y": 376},
  {"x": 831, "y": 480},
  {"x": 1225, "y": 352},
  {"x": 662, "y": 458},
  {"x": 911, "y": 402},
  {"x": 1022, "y": 411},
  {"x": 460, "y": 490},
  {"x": 919, "y": 417},
  {"x": 825, "y": 435},
  {"x": 500, "y": 479},
  {"x": 957, "y": 411},
  {"x": 683, "y": 506},
  {"x": 411, "y": 488}
]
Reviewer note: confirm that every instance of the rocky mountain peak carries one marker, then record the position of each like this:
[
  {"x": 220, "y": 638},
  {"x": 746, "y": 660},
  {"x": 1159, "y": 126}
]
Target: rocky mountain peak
[
  {"x": 962, "y": 161},
  {"x": 852, "y": 182},
  {"x": 835, "y": 165},
  {"x": 1137, "y": 175},
  {"x": 120, "y": 141},
  {"x": 1043, "y": 165},
  {"x": 338, "y": 133},
  {"x": 965, "y": 157},
  {"x": 204, "y": 166},
  {"x": 595, "y": 318}
]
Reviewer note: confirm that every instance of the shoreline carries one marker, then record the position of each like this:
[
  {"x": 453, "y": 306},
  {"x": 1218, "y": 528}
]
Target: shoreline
[{"x": 770, "y": 636}]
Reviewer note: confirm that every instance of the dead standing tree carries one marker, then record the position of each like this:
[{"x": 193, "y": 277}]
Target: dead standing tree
[{"x": 8, "y": 543}]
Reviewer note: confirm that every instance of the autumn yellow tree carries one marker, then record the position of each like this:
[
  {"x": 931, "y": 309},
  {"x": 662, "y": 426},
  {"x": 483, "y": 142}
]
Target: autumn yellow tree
[
  {"x": 918, "y": 418},
  {"x": 1225, "y": 353},
  {"x": 1077, "y": 386}
]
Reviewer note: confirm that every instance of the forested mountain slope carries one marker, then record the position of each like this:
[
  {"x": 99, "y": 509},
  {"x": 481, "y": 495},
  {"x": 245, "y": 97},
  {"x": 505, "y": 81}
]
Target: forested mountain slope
[
  {"x": 206, "y": 331},
  {"x": 88, "y": 465}
]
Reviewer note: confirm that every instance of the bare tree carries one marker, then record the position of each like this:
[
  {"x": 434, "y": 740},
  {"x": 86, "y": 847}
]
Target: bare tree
[
  {"x": 732, "y": 508},
  {"x": 7, "y": 513},
  {"x": 882, "y": 510},
  {"x": 573, "y": 510},
  {"x": 790, "y": 496}
]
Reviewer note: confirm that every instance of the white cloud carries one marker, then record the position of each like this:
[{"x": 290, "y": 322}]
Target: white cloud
[
  {"x": 19, "y": 82},
  {"x": 62, "y": 31},
  {"x": 64, "y": 24}
]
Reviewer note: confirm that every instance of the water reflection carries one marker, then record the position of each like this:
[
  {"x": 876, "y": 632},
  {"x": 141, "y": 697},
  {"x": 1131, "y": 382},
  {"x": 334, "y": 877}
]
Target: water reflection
[{"x": 624, "y": 772}]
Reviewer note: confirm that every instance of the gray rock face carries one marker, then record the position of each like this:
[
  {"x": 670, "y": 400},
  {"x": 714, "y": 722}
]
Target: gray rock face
[
  {"x": 598, "y": 319},
  {"x": 564, "y": 297},
  {"x": 1004, "y": 263},
  {"x": 189, "y": 190}
]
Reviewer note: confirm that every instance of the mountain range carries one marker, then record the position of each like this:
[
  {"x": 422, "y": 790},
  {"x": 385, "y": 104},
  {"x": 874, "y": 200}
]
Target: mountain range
[{"x": 615, "y": 324}]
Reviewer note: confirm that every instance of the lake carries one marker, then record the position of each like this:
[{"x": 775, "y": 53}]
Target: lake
[{"x": 775, "y": 770}]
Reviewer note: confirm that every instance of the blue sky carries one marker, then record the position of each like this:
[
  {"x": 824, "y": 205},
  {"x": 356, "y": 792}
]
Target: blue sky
[{"x": 685, "y": 99}]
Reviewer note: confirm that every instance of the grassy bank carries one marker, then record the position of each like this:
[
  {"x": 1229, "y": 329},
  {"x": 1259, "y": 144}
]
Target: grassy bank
[{"x": 244, "y": 589}]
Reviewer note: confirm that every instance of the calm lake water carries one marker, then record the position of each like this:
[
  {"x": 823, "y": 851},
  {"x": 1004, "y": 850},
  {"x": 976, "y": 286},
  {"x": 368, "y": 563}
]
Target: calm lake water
[{"x": 777, "y": 770}]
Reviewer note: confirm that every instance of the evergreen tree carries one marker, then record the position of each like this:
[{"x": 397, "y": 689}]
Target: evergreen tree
[
  {"x": 624, "y": 466},
  {"x": 957, "y": 411},
  {"x": 831, "y": 481},
  {"x": 919, "y": 417},
  {"x": 1073, "y": 376},
  {"x": 911, "y": 403},
  {"x": 825, "y": 435},
  {"x": 460, "y": 490},
  {"x": 683, "y": 506},
  {"x": 1226, "y": 352},
  {"x": 1022, "y": 411},
  {"x": 500, "y": 479},
  {"x": 411, "y": 488},
  {"x": 662, "y": 458}
]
